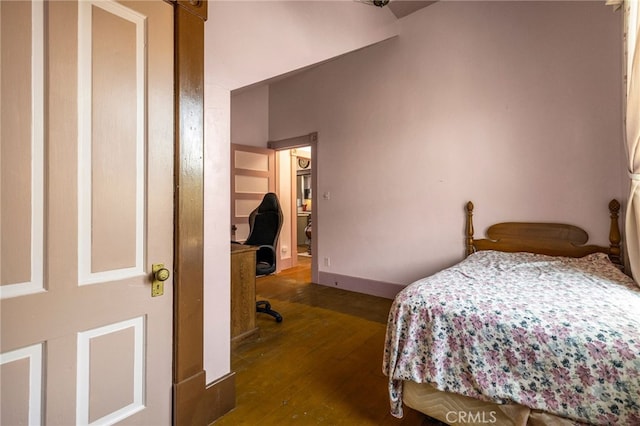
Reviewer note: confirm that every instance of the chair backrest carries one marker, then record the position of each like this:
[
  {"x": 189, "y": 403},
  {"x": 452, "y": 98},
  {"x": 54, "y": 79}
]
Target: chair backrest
[{"x": 265, "y": 222}]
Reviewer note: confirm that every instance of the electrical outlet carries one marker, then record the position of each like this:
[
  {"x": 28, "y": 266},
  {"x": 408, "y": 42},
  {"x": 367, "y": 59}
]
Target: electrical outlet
[{"x": 327, "y": 261}]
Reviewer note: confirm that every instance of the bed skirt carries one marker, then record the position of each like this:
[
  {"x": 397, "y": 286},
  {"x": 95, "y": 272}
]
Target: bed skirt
[{"x": 455, "y": 409}]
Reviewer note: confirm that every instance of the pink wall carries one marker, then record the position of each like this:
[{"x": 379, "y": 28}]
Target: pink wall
[
  {"x": 250, "y": 116},
  {"x": 514, "y": 105}
]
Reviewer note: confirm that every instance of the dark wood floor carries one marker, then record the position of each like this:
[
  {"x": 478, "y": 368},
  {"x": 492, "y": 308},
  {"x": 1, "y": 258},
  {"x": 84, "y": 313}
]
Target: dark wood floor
[{"x": 321, "y": 365}]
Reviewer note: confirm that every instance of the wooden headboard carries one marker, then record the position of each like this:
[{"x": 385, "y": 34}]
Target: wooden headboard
[{"x": 554, "y": 239}]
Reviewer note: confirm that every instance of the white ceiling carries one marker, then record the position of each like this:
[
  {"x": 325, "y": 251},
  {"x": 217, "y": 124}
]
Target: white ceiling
[{"x": 252, "y": 41}]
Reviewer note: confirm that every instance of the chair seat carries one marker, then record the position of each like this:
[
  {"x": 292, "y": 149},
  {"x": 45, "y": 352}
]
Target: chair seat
[{"x": 264, "y": 268}]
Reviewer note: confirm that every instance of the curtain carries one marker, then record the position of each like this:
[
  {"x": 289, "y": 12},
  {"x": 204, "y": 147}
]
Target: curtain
[
  {"x": 632, "y": 127},
  {"x": 632, "y": 225}
]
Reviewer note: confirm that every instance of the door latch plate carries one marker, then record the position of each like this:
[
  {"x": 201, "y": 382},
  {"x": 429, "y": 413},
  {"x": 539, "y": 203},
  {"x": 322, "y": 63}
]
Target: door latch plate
[{"x": 159, "y": 276}]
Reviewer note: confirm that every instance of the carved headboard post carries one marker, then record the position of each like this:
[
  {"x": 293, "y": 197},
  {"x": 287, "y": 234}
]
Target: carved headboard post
[
  {"x": 469, "y": 229},
  {"x": 614, "y": 233}
]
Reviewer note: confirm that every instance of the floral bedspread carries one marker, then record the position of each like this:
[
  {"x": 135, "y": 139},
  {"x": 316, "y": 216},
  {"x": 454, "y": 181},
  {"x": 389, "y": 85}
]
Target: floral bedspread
[{"x": 552, "y": 333}]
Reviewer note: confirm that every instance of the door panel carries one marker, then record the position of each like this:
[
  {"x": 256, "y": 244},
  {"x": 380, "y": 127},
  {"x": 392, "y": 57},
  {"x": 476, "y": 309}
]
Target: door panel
[
  {"x": 116, "y": 153},
  {"x": 112, "y": 65},
  {"x": 21, "y": 157},
  {"x": 23, "y": 369},
  {"x": 252, "y": 176},
  {"x": 89, "y": 345}
]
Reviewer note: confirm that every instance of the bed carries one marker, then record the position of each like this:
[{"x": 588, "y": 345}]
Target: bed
[{"x": 533, "y": 327}]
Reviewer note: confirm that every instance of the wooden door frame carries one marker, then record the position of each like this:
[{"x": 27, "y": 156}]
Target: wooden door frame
[{"x": 193, "y": 402}]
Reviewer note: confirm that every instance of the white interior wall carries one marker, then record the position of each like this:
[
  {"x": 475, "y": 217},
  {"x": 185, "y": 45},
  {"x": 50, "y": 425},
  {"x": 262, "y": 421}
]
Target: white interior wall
[
  {"x": 256, "y": 40},
  {"x": 217, "y": 231}
]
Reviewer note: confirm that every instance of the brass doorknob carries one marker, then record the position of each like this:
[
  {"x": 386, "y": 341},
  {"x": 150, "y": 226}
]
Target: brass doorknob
[{"x": 162, "y": 274}]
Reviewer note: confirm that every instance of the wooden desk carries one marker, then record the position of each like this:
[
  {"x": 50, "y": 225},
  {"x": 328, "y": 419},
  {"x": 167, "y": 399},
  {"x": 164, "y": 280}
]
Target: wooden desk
[{"x": 243, "y": 293}]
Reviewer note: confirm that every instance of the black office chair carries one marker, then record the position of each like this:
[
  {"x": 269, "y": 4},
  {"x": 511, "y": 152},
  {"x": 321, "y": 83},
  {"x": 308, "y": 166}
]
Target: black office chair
[{"x": 265, "y": 223}]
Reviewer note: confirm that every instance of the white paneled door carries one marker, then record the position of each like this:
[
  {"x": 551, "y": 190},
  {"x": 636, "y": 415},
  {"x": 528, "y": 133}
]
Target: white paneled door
[{"x": 86, "y": 208}]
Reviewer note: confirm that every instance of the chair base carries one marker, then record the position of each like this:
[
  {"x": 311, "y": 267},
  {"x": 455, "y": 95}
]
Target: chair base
[{"x": 265, "y": 307}]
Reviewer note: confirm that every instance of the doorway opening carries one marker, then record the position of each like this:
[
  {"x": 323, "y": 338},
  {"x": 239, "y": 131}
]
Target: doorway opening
[
  {"x": 301, "y": 159},
  {"x": 299, "y": 181}
]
